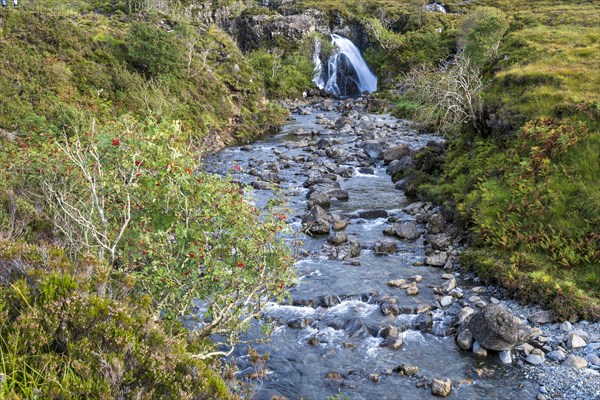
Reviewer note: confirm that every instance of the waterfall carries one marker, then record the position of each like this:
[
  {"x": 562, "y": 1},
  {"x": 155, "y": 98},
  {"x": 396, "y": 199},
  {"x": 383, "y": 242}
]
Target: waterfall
[{"x": 347, "y": 73}]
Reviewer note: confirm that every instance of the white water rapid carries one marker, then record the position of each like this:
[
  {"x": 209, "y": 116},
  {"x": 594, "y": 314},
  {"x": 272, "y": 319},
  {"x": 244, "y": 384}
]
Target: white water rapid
[{"x": 347, "y": 72}]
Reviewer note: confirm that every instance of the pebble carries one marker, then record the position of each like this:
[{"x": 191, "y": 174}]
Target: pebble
[
  {"x": 534, "y": 359},
  {"x": 556, "y": 355},
  {"x": 566, "y": 327},
  {"x": 593, "y": 359},
  {"x": 412, "y": 291},
  {"x": 479, "y": 351},
  {"x": 575, "y": 342}
]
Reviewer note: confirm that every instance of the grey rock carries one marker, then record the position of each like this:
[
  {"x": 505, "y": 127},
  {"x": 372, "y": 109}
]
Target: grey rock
[
  {"x": 464, "y": 315},
  {"x": 406, "y": 370},
  {"x": 593, "y": 359},
  {"x": 535, "y": 359},
  {"x": 374, "y": 150},
  {"x": 348, "y": 250},
  {"x": 446, "y": 301},
  {"x": 316, "y": 221},
  {"x": 437, "y": 259},
  {"x": 505, "y": 357},
  {"x": 412, "y": 290},
  {"x": 318, "y": 198},
  {"x": 541, "y": 317},
  {"x": 439, "y": 241},
  {"x": 464, "y": 339},
  {"x": 388, "y": 331},
  {"x": 395, "y": 153},
  {"x": 575, "y": 342},
  {"x": 390, "y": 307},
  {"x": 575, "y": 362},
  {"x": 440, "y": 387},
  {"x": 385, "y": 247},
  {"x": 436, "y": 223},
  {"x": 556, "y": 355},
  {"x": 373, "y": 214},
  {"x": 478, "y": 350},
  {"x": 337, "y": 238},
  {"x": 392, "y": 342},
  {"x": 566, "y": 327},
  {"x": 448, "y": 285},
  {"x": 496, "y": 328},
  {"x": 407, "y": 231}
]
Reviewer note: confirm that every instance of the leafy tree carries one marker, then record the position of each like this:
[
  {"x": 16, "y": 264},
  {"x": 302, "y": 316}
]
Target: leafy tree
[{"x": 480, "y": 33}]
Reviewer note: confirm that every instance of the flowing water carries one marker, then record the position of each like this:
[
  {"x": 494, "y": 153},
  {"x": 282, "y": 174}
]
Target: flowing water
[
  {"x": 347, "y": 73},
  {"x": 333, "y": 322}
]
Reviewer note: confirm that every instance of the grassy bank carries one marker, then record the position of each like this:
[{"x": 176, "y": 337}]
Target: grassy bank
[{"x": 527, "y": 182}]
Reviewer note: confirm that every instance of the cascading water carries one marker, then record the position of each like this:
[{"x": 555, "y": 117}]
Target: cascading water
[{"x": 347, "y": 73}]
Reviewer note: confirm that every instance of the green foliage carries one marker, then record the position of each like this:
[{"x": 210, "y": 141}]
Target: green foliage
[
  {"x": 481, "y": 32},
  {"x": 61, "y": 338},
  {"x": 152, "y": 50},
  {"x": 284, "y": 76},
  {"x": 131, "y": 193}
]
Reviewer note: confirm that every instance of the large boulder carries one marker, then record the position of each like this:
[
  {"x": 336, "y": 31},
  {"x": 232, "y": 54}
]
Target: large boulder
[
  {"x": 316, "y": 221},
  {"x": 496, "y": 328},
  {"x": 395, "y": 153}
]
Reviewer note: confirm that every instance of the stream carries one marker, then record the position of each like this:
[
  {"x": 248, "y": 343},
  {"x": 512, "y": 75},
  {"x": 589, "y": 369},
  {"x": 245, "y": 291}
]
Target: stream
[{"x": 331, "y": 338}]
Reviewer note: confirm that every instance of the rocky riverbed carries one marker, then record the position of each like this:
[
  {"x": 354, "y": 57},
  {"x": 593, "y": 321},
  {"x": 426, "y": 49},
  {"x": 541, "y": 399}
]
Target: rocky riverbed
[{"x": 381, "y": 308}]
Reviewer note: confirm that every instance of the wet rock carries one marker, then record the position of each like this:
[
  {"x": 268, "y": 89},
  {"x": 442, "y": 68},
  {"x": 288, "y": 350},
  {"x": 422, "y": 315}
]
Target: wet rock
[
  {"x": 260, "y": 185},
  {"x": 541, "y": 317},
  {"x": 328, "y": 105},
  {"x": 464, "y": 339},
  {"x": 316, "y": 221},
  {"x": 397, "y": 166},
  {"x": 366, "y": 170},
  {"x": 575, "y": 362},
  {"x": 388, "y": 331},
  {"x": 356, "y": 328},
  {"x": 348, "y": 345},
  {"x": 436, "y": 223},
  {"x": 424, "y": 322},
  {"x": 399, "y": 283},
  {"x": 348, "y": 250},
  {"x": 373, "y": 214},
  {"x": 329, "y": 301},
  {"x": 339, "y": 194},
  {"x": 375, "y": 378},
  {"x": 385, "y": 247},
  {"x": 505, "y": 357},
  {"x": 407, "y": 231},
  {"x": 324, "y": 182},
  {"x": 337, "y": 222},
  {"x": 395, "y": 153},
  {"x": 318, "y": 199},
  {"x": 392, "y": 342},
  {"x": 406, "y": 370},
  {"x": 437, "y": 259},
  {"x": 412, "y": 290},
  {"x": 337, "y": 238},
  {"x": 448, "y": 285},
  {"x": 478, "y": 350},
  {"x": 300, "y": 323},
  {"x": 440, "y": 387},
  {"x": 496, "y": 328},
  {"x": 390, "y": 307},
  {"x": 416, "y": 278},
  {"x": 439, "y": 241},
  {"x": 313, "y": 341},
  {"x": 333, "y": 376},
  {"x": 373, "y": 149}
]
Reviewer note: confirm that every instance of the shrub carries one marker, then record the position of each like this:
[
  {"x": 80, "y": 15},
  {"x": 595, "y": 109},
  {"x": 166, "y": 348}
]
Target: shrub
[
  {"x": 480, "y": 33},
  {"x": 131, "y": 193},
  {"x": 152, "y": 50},
  {"x": 62, "y": 339}
]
